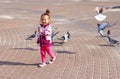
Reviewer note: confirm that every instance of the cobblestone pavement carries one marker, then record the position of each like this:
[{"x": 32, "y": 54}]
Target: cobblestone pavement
[{"x": 84, "y": 56}]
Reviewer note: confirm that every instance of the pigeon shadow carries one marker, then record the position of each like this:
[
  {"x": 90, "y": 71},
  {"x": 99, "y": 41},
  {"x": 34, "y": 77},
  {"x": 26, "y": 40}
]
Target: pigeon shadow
[
  {"x": 28, "y": 39},
  {"x": 27, "y": 48},
  {"x": 67, "y": 52},
  {"x": 57, "y": 43},
  {"x": 107, "y": 45},
  {"x": 101, "y": 36},
  {"x": 16, "y": 63}
]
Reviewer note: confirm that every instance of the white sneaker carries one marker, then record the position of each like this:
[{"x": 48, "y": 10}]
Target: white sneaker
[
  {"x": 42, "y": 65},
  {"x": 52, "y": 60}
]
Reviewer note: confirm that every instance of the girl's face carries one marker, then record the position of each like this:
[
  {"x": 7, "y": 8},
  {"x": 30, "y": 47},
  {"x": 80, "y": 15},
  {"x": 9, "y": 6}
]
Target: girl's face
[{"x": 45, "y": 20}]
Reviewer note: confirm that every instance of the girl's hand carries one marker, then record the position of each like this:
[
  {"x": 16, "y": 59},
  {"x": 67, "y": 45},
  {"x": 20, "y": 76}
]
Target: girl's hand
[{"x": 41, "y": 31}]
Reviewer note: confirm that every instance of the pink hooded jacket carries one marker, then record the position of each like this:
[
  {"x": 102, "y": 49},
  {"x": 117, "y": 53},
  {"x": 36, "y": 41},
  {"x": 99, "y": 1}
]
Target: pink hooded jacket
[{"x": 44, "y": 38}]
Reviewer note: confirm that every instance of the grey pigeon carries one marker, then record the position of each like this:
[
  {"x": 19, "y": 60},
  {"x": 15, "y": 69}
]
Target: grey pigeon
[
  {"x": 66, "y": 36},
  {"x": 53, "y": 35},
  {"x": 32, "y": 36},
  {"x": 112, "y": 41},
  {"x": 68, "y": 33},
  {"x": 102, "y": 26}
]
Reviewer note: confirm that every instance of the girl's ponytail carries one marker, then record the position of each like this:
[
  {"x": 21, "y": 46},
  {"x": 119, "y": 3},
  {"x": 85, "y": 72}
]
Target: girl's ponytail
[{"x": 46, "y": 13}]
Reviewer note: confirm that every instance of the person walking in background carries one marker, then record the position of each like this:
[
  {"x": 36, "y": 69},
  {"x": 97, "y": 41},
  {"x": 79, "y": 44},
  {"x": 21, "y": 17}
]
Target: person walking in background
[{"x": 44, "y": 38}]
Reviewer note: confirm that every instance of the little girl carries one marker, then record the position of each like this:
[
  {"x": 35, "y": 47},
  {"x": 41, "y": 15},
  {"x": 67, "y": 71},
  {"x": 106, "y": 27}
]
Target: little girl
[{"x": 44, "y": 39}]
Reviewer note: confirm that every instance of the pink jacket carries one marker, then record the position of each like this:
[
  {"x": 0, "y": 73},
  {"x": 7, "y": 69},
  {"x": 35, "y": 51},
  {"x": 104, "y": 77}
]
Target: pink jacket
[{"x": 44, "y": 38}]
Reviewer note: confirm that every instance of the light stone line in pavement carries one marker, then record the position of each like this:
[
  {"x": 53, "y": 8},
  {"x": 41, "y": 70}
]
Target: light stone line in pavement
[
  {"x": 5, "y": 44},
  {"x": 22, "y": 50},
  {"x": 73, "y": 55},
  {"x": 79, "y": 61},
  {"x": 6, "y": 57},
  {"x": 0, "y": 39},
  {"x": 60, "y": 61},
  {"x": 87, "y": 59},
  {"x": 105, "y": 67},
  {"x": 113, "y": 68},
  {"x": 94, "y": 70},
  {"x": 28, "y": 29},
  {"x": 72, "y": 66},
  {"x": 12, "y": 72},
  {"x": 116, "y": 56},
  {"x": 1, "y": 43},
  {"x": 91, "y": 64},
  {"x": 2, "y": 51},
  {"x": 12, "y": 57},
  {"x": 90, "y": 57},
  {"x": 65, "y": 58},
  {"x": 4, "y": 38},
  {"x": 117, "y": 74},
  {"x": 89, "y": 49},
  {"x": 17, "y": 45}
]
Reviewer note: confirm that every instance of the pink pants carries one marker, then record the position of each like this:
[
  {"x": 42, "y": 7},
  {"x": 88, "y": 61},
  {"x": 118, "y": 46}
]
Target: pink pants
[{"x": 43, "y": 50}]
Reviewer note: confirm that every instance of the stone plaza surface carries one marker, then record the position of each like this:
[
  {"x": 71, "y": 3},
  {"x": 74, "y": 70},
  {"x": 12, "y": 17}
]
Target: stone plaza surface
[{"x": 85, "y": 56}]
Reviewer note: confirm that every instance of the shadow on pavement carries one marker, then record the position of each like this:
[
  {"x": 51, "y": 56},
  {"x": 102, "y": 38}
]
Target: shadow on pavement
[
  {"x": 107, "y": 45},
  {"x": 15, "y": 63},
  {"x": 27, "y": 48},
  {"x": 57, "y": 43},
  {"x": 67, "y": 52}
]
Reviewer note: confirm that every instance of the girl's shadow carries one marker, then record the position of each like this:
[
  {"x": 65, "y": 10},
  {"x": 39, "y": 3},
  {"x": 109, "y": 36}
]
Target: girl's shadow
[{"x": 16, "y": 63}]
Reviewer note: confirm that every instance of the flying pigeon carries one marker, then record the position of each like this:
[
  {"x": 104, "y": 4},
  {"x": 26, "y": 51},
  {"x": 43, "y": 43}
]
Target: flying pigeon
[
  {"x": 54, "y": 34},
  {"x": 112, "y": 41},
  {"x": 104, "y": 25},
  {"x": 32, "y": 36}
]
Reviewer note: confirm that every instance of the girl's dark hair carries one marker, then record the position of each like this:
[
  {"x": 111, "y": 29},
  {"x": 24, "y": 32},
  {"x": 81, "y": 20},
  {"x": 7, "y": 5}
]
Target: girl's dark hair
[{"x": 46, "y": 13}]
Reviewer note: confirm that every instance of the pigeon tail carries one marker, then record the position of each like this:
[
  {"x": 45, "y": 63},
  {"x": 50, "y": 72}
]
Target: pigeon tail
[
  {"x": 33, "y": 35},
  {"x": 113, "y": 41},
  {"x": 68, "y": 33}
]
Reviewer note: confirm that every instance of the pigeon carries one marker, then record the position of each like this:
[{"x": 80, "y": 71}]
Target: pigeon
[
  {"x": 53, "y": 35},
  {"x": 103, "y": 26},
  {"x": 66, "y": 36},
  {"x": 112, "y": 41},
  {"x": 32, "y": 36},
  {"x": 68, "y": 33}
]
